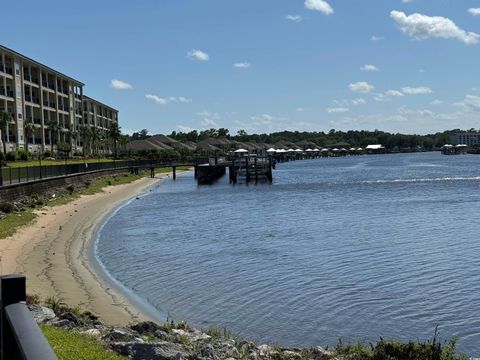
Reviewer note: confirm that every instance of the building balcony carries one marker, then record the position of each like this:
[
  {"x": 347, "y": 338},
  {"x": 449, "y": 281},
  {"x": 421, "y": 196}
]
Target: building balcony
[{"x": 49, "y": 104}]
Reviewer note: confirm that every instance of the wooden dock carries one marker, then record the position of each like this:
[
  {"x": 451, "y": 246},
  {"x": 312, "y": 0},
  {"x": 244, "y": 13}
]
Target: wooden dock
[
  {"x": 247, "y": 169},
  {"x": 251, "y": 169}
]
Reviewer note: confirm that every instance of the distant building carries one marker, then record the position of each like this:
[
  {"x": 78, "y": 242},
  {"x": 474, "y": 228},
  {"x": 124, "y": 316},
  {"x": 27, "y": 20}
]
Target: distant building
[
  {"x": 35, "y": 93},
  {"x": 467, "y": 138}
]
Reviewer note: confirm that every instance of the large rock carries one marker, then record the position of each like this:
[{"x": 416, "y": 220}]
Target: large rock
[
  {"x": 194, "y": 335},
  {"x": 121, "y": 334},
  {"x": 41, "y": 314},
  {"x": 152, "y": 351},
  {"x": 206, "y": 352},
  {"x": 145, "y": 327},
  {"x": 319, "y": 353},
  {"x": 163, "y": 335},
  {"x": 74, "y": 320},
  {"x": 225, "y": 348}
]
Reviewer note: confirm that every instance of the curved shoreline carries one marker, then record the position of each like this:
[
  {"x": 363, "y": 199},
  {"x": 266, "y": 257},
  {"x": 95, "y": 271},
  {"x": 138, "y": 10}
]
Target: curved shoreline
[
  {"x": 102, "y": 272},
  {"x": 56, "y": 253}
]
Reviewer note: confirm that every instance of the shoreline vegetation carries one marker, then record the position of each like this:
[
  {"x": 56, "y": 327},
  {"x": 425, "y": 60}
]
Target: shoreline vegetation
[
  {"x": 76, "y": 334},
  {"x": 52, "y": 235}
]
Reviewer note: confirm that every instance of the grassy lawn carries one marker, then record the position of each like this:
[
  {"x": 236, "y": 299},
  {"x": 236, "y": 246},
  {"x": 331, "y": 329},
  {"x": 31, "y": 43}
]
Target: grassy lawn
[
  {"x": 12, "y": 222},
  {"x": 70, "y": 345},
  {"x": 17, "y": 164}
]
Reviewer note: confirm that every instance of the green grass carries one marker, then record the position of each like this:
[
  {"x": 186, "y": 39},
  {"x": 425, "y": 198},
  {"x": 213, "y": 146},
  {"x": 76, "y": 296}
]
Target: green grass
[
  {"x": 19, "y": 163},
  {"x": 96, "y": 186},
  {"x": 71, "y": 345},
  {"x": 12, "y": 222}
]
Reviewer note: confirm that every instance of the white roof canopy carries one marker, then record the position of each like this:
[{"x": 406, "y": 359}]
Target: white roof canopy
[
  {"x": 241, "y": 151},
  {"x": 272, "y": 150},
  {"x": 374, "y": 147},
  {"x": 298, "y": 150}
]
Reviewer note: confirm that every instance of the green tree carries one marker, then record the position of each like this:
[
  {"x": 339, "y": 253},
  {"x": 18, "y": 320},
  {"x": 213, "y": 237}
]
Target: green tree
[
  {"x": 95, "y": 138},
  {"x": 114, "y": 134},
  {"x": 54, "y": 129},
  {"x": 28, "y": 129},
  {"x": 5, "y": 118},
  {"x": 85, "y": 136}
]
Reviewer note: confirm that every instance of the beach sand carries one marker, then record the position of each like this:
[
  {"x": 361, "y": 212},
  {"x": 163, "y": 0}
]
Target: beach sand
[{"x": 54, "y": 253}]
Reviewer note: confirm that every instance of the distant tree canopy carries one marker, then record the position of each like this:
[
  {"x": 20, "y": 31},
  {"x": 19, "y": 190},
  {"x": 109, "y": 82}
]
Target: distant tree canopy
[
  {"x": 140, "y": 135},
  {"x": 355, "y": 138}
]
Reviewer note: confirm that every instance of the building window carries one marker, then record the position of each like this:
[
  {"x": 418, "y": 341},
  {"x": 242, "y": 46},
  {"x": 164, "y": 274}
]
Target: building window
[{"x": 17, "y": 68}]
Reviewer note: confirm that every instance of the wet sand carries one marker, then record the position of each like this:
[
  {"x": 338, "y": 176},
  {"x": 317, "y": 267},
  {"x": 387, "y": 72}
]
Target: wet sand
[{"x": 55, "y": 254}]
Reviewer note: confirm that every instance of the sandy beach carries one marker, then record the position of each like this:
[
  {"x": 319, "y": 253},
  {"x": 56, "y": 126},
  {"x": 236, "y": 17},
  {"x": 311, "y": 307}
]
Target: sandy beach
[{"x": 54, "y": 253}]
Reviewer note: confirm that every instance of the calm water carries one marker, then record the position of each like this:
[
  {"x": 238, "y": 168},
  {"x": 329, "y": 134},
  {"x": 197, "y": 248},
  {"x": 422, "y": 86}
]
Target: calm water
[{"x": 353, "y": 248}]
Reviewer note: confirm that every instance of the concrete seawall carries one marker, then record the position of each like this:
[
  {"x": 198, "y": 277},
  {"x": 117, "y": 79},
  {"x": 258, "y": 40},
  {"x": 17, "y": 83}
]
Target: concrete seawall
[{"x": 13, "y": 192}]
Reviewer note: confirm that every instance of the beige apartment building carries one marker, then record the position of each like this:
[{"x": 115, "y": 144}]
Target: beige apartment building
[{"x": 35, "y": 93}]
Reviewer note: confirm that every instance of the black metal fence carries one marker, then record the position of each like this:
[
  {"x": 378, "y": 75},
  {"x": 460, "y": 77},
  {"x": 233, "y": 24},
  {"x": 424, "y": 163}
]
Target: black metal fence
[
  {"x": 10, "y": 175},
  {"x": 20, "y": 336}
]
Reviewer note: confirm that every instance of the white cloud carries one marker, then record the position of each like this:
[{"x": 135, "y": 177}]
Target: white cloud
[
  {"x": 381, "y": 98},
  {"x": 184, "y": 129},
  {"x": 394, "y": 93},
  {"x": 369, "y": 67},
  {"x": 416, "y": 90},
  {"x": 337, "y": 110},
  {"x": 164, "y": 101},
  {"x": 361, "y": 87},
  {"x": 319, "y": 5},
  {"x": 157, "y": 99},
  {"x": 300, "y": 109},
  {"x": 359, "y": 101},
  {"x": 423, "y": 27},
  {"x": 241, "y": 65},
  {"x": 294, "y": 18},
  {"x": 436, "y": 102},
  {"x": 209, "y": 123},
  {"x": 264, "y": 119},
  {"x": 120, "y": 85},
  {"x": 407, "y": 1},
  {"x": 198, "y": 55},
  {"x": 470, "y": 103},
  {"x": 474, "y": 11},
  {"x": 208, "y": 114},
  {"x": 422, "y": 71},
  {"x": 377, "y": 38}
]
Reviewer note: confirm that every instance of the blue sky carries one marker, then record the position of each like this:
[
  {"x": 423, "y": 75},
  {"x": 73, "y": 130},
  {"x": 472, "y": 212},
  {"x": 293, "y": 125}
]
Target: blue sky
[{"x": 407, "y": 66}]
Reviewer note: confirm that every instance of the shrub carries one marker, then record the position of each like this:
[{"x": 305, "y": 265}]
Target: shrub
[
  {"x": 47, "y": 154},
  {"x": 71, "y": 188},
  {"x": 33, "y": 299},
  {"x": 7, "y": 208},
  {"x": 11, "y": 156},
  {"x": 23, "y": 155},
  {"x": 2, "y": 157}
]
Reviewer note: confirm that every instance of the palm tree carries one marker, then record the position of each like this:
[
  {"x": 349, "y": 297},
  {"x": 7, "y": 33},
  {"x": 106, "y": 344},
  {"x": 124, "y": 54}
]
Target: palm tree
[
  {"x": 5, "y": 118},
  {"x": 123, "y": 141},
  {"x": 85, "y": 136},
  {"x": 54, "y": 129},
  {"x": 114, "y": 134},
  {"x": 28, "y": 128},
  {"x": 94, "y": 137}
]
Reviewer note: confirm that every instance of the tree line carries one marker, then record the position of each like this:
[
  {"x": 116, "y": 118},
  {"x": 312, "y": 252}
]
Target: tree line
[{"x": 360, "y": 138}]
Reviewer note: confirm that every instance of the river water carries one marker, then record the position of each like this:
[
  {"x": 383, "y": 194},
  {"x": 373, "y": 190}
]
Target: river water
[{"x": 353, "y": 248}]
